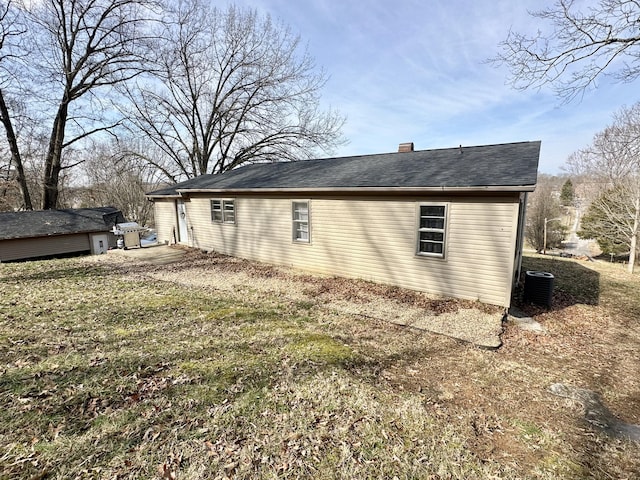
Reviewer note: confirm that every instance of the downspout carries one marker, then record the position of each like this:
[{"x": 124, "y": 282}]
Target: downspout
[{"x": 520, "y": 239}]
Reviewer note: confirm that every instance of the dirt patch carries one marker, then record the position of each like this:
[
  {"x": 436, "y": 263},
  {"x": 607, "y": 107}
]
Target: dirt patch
[
  {"x": 472, "y": 322},
  {"x": 596, "y": 413}
]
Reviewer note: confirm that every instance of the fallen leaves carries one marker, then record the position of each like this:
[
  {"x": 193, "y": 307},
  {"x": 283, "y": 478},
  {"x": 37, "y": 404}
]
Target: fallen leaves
[
  {"x": 169, "y": 468},
  {"x": 155, "y": 379},
  {"x": 166, "y": 471}
]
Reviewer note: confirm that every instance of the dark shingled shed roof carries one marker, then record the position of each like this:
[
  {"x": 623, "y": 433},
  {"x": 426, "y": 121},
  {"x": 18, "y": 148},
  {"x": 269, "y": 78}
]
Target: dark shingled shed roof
[
  {"x": 511, "y": 166},
  {"x": 44, "y": 223}
]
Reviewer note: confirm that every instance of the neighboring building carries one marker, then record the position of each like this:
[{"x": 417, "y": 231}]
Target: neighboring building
[
  {"x": 447, "y": 221},
  {"x": 50, "y": 233}
]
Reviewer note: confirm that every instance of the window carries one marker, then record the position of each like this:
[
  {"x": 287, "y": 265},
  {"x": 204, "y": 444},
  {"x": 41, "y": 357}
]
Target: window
[
  {"x": 228, "y": 211},
  {"x": 431, "y": 234},
  {"x": 223, "y": 211},
  {"x": 301, "y": 221}
]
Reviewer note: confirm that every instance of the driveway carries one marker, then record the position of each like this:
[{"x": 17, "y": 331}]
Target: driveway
[{"x": 575, "y": 245}]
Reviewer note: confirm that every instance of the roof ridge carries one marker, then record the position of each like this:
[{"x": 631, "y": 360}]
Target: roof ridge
[{"x": 413, "y": 151}]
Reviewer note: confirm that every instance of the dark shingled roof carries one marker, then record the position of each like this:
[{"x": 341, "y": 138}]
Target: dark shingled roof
[
  {"x": 482, "y": 167},
  {"x": 44, "y": 223}
]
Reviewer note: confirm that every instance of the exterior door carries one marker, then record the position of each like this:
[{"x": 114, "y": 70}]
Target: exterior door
[{"x": 183, "y": 235}]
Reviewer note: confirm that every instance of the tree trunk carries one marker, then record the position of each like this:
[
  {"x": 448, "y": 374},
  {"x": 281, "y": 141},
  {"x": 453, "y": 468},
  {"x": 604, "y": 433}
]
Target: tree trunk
[
  {"x": 16, "y": 159},
  {"x": 634, "y": 236},
  {"x": 53, "y": 160}
]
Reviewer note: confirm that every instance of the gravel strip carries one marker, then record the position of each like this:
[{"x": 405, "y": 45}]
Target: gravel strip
[{"x": 242, "y": 279}]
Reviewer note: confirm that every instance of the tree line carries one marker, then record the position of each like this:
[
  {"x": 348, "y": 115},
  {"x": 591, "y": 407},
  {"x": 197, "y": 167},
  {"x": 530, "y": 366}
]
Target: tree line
[
  {"x": 611, "y": 165},
  {"x": 151, "y": 91},
  {"x": 575, "y": 44},
  {"x": 605, "y": 189}
]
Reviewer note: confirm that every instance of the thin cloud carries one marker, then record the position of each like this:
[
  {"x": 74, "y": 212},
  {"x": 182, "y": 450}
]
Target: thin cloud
[{"x": 415, "y": 71}]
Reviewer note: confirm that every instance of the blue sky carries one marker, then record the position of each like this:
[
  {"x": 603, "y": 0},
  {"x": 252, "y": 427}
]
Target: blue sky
[{"x": 415, "y": 71}]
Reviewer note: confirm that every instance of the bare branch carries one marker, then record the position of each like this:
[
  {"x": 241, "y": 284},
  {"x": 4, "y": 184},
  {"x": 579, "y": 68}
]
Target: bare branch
[
  {"x": 612, "y": 164},
  {"x": 578, "y": 47},
  {"x": 85, "y": 46},
  {"x": 229, "y": 88}
]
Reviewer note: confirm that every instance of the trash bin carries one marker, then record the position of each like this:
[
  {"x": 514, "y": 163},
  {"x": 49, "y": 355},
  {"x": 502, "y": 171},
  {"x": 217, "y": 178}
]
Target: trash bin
[{"x": 538, "y": 288}]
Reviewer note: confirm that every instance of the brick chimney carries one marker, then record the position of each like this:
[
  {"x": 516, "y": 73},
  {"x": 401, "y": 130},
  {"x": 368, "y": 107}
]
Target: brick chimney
[{"x": 405, "y": 147}]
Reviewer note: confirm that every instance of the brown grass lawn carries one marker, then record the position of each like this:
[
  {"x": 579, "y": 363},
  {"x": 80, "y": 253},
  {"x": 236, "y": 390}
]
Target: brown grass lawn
[{"x": 105, "y": 374}]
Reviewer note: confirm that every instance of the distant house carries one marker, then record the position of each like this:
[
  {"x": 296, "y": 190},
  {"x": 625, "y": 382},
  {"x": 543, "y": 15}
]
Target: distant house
[
  {"x": 446, "y": 221},
  {"x": 49, "y": 233}
]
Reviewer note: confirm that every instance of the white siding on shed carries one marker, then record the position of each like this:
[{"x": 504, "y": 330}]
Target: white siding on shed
[{"x": 369, "y": 238}]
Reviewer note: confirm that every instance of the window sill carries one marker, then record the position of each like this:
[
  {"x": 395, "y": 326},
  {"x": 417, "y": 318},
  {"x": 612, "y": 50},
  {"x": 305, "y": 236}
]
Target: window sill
[{"x": 430, "y": 255}]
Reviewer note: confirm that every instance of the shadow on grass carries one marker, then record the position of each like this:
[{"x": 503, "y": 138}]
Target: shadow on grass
[
  {"x": 56, "y": 273},
  {"x": 573, "y": 282}
]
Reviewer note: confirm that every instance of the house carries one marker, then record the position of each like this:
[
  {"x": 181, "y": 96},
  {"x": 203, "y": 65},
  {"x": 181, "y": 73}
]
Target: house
[
  {"x": 49, "y": 233},
  {"x": 445, "y": 221}
]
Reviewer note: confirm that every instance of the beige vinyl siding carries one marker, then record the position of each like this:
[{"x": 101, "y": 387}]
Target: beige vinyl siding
[
  {"x": 262, "y": 230},
  {"x": 165, "y": 218},
  {"x": 374, "y": 239},
  {"x": 378, "y": 241},
  {"x": 24, "y": 248}
]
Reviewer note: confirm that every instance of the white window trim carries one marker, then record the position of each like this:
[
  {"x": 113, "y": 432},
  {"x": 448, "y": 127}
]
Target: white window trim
[
  {"x": 295, "y": 222},
  {"x": 223, "y": 202},
  {"x": 444, "y": 230}
]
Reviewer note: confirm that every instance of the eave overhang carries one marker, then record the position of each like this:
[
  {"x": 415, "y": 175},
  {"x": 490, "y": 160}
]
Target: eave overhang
[{"x": 349, "y": 190}]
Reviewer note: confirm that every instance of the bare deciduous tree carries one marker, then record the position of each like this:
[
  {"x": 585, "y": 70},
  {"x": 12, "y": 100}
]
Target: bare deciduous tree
[
  {"x": 9, "y": 188},
  {"x": 583, "y": 41},
  {"x": 612, "y": 162},
  {"x": 608, "y": 220},
  {"x": 230, "y": 87},
  {"x": 120, "y": 180},
  {"x": 86, "y": 46},
  {"x": 543, "y": 213},
  {"x": 78, "y": 51},
  {"x": 11, "y": 29}
]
